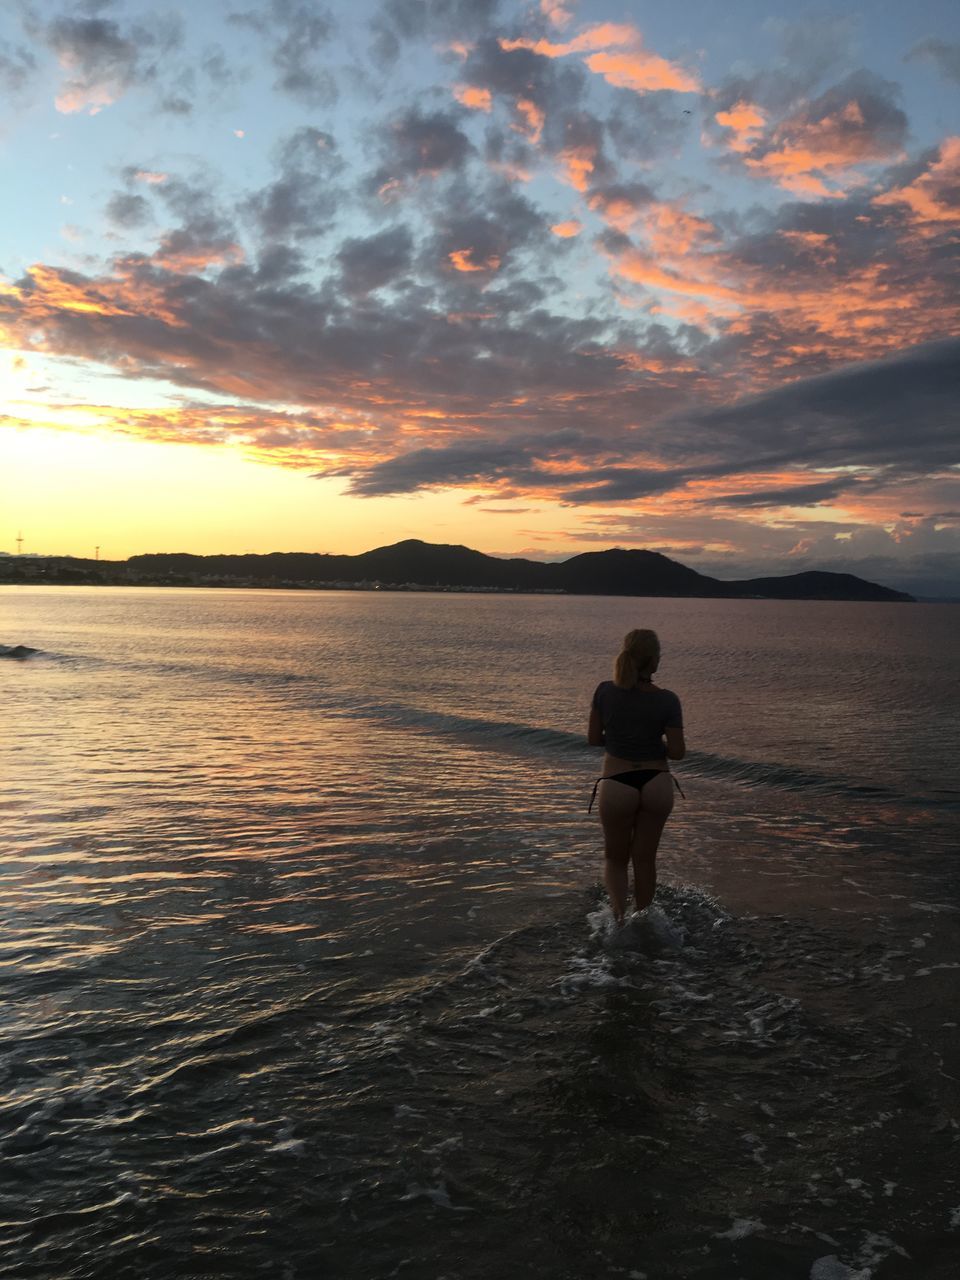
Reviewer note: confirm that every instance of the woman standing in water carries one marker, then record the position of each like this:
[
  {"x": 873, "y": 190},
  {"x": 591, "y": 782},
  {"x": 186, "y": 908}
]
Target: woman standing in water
[{"x": 640, "y": 726}]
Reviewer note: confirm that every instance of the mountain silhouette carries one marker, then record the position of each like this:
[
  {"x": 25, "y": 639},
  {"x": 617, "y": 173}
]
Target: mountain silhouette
[
  {"x": 416, "y": 564},
  {"x": 413, "y": 562}
]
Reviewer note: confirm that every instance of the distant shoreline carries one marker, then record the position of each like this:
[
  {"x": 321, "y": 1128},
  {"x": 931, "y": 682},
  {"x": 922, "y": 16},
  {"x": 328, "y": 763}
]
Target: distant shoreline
[
  {"x": 423, "y": 589},
  {"x": 417, "y": 566}
]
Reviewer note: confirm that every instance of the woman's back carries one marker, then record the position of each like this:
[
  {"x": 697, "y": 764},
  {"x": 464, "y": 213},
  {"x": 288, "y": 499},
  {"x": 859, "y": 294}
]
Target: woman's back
[{"x": 634, "y": 719}]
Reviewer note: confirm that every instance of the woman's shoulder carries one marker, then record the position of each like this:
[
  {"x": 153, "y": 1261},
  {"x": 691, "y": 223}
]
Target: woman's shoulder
[{"x": 666, "y": 693}]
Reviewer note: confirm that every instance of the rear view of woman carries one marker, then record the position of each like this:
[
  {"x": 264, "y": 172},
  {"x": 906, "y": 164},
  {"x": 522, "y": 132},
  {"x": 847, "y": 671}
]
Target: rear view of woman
[{"x": 641, "y": 727}]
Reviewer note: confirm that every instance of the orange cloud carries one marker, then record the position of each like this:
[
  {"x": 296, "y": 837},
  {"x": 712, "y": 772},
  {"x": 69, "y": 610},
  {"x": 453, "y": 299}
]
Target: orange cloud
[
  {"x": 462, "y": 260},
  {"x": 642, "y": 72},
  {"x": 795, "y": 170},
  {"x": 566, "y": 230},
  {"x": 806, "y": 152},
  {"x": 671, "y": 229},
  {"x": 629, "y": 67},
  {"x": 815, "y": 312},
  {"x": 556, "y": 11},
  {"x": 931, "y": 198},
  {"x": 640, "y": 267},
  {"x": 620, "y": 209},
  {"x": 53, "y": 290},
  {"x": 745, "y": 120},
  {"x": 532, "y": 118},
  {"x": 602, "y": 36},
  {"x": 471, "y": 96},
  {"x": 196, "y": 258},
  {"x": 577, "y": 164},
  {"x": 91, "y": 98},
  {"x": 816, "y": 243}
]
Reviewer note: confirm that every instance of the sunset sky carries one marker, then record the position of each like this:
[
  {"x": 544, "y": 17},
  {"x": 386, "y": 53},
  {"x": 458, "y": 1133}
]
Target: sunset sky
[{"x": 534, "y": 277}]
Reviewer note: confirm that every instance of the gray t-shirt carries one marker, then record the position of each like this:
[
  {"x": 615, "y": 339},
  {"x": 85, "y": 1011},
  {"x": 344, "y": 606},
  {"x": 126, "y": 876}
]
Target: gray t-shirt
[{"x": 634, "y": 719}]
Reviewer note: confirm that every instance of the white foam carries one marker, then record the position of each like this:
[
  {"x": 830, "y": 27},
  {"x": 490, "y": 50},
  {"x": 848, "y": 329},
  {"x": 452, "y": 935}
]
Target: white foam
[
  {"x": 649, "y": 930},
  {"x": 589, "y": 975},
  {"x": 829, "y": 1267},
  {"x": 448, "y": 1144},
  {"x": 289, "y": 1147},
  {"x": 741, "y": 1227},
  {"x": 437, "y": 1195}
]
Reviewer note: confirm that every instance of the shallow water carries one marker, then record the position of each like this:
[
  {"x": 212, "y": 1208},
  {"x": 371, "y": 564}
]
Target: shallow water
[{"x": 305, "y": 970}]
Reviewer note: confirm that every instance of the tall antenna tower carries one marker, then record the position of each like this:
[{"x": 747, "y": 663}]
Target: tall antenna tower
[
  {"x": 19, "y": 542},
  {"x": 97, "y": 549}
]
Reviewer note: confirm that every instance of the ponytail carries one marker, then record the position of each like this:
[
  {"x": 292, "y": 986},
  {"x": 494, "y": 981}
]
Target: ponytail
[{"x": 638, "y": 658}]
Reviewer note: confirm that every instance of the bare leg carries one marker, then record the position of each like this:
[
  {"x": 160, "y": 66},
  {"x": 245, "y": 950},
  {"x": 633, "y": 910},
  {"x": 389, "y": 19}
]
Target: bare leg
[
  {"x": 618, "y": 811},
  {"x": 657, "y": 804}
]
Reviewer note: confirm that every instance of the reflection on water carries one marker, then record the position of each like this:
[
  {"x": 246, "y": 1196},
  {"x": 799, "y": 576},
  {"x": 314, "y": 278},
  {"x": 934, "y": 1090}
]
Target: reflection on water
[{"x": 298, "y": 968}]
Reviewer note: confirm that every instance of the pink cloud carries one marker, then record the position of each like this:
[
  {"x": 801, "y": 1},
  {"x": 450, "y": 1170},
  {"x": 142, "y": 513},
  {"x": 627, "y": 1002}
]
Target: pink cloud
[
  {"x": 819, "y": 148},
  {"x": 616, "y": 53},
  {"x": 473, "y": 97},
  {"x": 932, "y": 197},
  {"x": 746, "y": 122}
]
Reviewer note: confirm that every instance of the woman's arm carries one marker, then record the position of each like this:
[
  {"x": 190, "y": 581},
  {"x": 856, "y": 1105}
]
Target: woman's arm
[
  {"x": 595, "y": 729},
  {"x": 676, "y": 746}
]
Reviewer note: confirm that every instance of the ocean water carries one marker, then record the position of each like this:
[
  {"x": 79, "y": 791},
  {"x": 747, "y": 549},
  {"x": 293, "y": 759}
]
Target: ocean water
[{"x": 305, "y": 971}]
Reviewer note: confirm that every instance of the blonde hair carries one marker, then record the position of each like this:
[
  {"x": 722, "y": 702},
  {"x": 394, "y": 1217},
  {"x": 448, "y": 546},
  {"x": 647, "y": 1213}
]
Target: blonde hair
[{"x": 638, "y": 659}]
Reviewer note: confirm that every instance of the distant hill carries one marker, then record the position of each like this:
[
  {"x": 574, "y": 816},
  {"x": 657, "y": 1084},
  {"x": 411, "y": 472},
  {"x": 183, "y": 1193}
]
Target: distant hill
[
  {"x": 613, "y": 572},
  {"x": 414, "y": 563}
]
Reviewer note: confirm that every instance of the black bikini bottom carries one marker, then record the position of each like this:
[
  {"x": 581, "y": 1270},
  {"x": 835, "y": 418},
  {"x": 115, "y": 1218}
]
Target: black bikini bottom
[{"x": 632, "y": 778}]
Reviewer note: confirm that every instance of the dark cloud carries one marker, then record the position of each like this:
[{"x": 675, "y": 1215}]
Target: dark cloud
[
  {"x": 799, "y": 495},
  {"x": 216, "y": 67},
  {"x": 277, "y": 264},
  {"x": 416, "y": 144},
  {"x": 854, "y": 416},
  {"x": 429, "y": 468},
  {"x": 471, "y": 462},
  {"x": 299, "y": 34},
  {"x": 580, "y": 134},
  {"x": 176, "y": 105},
  {"x": 479, "y": 231},
  {"x": 384, "y": 47},
  {"x": 300, "y": 202},
  {"x": 521, "y": 74},
  {"x": 866, "y": 107},
  {"x": 451, "y": 19},
  {"x": 811, "y": 50},
  {"x": 854, "y": 122},
  {"x": 507, "y": 152},
  {"x": 17, "y": 66},
  {"x": 369, "y": 262},
  {"x": 851, "y": 418},
  {"x": 623, "y": 195},
  {"x": 944, "y": 55},
  {"x": 128, "y": 210},
  {"x": 104, "y": 60}
]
